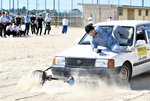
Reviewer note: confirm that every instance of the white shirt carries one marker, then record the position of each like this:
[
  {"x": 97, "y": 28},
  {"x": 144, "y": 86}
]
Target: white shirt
[
  {"x": 14, "y": 28},
  {"x": 9, "y": 28},
  {"x": 4, "y": 19},
  {"x": 90, "y": 19},
  {"x": 18, "y": 29},
  {"x": 9, "y": 17},
  {"x": 65, "y": 21},
  {"x": 48, "y": 19}
]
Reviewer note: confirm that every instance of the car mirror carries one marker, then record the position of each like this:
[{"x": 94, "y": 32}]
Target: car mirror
[{"x": 140, "y": 42}]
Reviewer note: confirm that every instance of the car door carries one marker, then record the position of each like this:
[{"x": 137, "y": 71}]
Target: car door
[{"x": 142, "y": 47}]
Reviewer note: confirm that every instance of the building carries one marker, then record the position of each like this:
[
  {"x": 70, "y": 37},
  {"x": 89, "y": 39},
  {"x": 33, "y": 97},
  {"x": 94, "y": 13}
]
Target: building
[{"x": 101, "y": 12}]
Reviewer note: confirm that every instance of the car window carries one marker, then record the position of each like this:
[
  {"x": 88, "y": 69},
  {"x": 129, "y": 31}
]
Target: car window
[
  {"x": 126, "y": 36},
  {"x": 86, "y": 39},
  {"x": 142, "y": 31},
  {"x": 147, "y": 30}
]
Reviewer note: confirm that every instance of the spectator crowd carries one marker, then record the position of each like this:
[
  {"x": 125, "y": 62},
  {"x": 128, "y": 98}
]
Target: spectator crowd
[{"x": 13, "y": 25}]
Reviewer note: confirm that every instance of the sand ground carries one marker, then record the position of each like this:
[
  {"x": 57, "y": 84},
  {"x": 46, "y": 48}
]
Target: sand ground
[{"x": 20, "y": 56}]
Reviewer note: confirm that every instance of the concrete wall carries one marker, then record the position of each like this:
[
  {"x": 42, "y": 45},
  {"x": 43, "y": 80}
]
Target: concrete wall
[{"x": 103, "y": 12}]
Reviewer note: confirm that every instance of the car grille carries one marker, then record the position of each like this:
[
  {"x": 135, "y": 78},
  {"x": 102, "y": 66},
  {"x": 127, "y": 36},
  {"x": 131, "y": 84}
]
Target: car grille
[{"x": 76, "y": 62}]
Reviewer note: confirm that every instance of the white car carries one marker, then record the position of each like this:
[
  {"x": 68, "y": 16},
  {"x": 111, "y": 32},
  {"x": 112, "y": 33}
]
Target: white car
[{"x": 82, "y": 60}]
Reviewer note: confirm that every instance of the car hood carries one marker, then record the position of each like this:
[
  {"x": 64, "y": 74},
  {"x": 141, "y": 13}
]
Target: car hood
[{"x": 85, "y": 51}]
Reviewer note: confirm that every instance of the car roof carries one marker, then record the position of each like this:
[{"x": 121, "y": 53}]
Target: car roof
[{"x": 122, "y": 23}]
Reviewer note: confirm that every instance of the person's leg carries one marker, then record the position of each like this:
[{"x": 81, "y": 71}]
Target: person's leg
[
  {"x": 27, "y": 29},
  {"x": 48, "y": 31},
  {"x": 45, "y": 30},
  {"x": 63, "y": 29},
  {"x": 37, "y": 30},
  {"x": 4, "y": 30},
  {"x": 66, "y": 29},
  {"x": 1, "y": 32},
  {"x": 32, "y": 29},
  {"x": 40, "y": 31},
  {"x": 117, "y": 48}
]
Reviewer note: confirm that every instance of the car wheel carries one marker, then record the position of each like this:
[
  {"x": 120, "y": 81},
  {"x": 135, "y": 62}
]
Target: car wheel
[{"x": 125, "y": 72}]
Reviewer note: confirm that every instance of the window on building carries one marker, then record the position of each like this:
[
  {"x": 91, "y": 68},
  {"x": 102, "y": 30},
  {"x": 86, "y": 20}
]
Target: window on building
[
  {"x": 140, "y": 12},
  {"x": 120, "y": 11},
  {"x": 146, "y": 12}
]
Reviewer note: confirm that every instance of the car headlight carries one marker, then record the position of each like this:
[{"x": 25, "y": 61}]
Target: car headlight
[
  {"x": 59, "y": 61},
  {"x": 101, "y": 63},
  {"x": 110, "y": 63}
]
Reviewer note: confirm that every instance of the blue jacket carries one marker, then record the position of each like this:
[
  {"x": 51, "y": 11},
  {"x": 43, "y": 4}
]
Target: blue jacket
[{"x": 102, "y": 38}]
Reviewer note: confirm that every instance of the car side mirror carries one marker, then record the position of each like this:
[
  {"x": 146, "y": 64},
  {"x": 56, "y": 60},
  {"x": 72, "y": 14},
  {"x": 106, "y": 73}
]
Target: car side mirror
[{"x": 140, "y": 42}]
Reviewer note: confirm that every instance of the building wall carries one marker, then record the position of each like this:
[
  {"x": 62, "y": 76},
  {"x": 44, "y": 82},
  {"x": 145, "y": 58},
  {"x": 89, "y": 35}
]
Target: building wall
[
  {"x": 99, "y": 13},
  {"x": 103, "y": 12},
  {"x": 143, "y": 14},
  {"x": 124, "y": 16},
  {"x": 94, "y": 11}
]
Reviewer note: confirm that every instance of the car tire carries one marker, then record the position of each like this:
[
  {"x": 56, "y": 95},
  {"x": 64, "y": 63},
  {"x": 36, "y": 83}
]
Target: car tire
[
  {"x": 125, "y": 72},
  {"x": 124, "y": 76}
]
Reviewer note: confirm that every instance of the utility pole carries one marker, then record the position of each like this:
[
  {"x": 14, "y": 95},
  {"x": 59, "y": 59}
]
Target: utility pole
[
  {"x": 36, "y": 6},
  {"x": 9, "y": 4},
  {"x": 118, "y": 2},
  {"x": 1, "y": 4},
  {"x": 54, "y": 4},
  {"x": 130, "y": 2},
  {"x": 18, "y": 5},
  {"x": 58, "y": 11},
  {"x": 143, "y": 3},
  {"x": 82, "y": 15},
  {"x": 27, "y": 5},
  {"x": 98, "y": 2},
  {"x": 71, "y": 12},
  {"x": 13, "y": 7},
  {"x": 45, "y": 4}
]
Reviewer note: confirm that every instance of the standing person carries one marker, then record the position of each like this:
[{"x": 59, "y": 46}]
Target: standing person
[
  {"x": 1, "y": 25},
  {"x": 9, "y": 17},
  {"x": 90, "y": 19},
  {"x": 27, "y": 24},
  {"x": 110, "y": 19},
  {"x": 48, "y": 23},
  {"x": 65, "y": 25},
  {"x": 33, "y": 23},
  {"x": 4, "y": 20},
  {"x": 40, "y": 23},
  {"x": 18, "y": 19}
]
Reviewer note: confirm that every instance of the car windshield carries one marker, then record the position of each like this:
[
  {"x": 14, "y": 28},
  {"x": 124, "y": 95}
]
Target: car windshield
[{"x": 86, "y": 39}]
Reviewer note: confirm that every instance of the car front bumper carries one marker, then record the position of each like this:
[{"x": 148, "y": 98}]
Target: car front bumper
[{"x": 80, "y": 71}]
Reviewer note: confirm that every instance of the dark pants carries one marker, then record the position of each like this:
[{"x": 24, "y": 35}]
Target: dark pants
[
  {"x": 64, "y": 29},
  {"x": 39, "y": 28},
  {"x": 20, "y": 33},
  {"x": 48, "y": 27},
  {"x": 1, "y": 29},
  {"x": 8, "y": 32},
  {"x": 27, "y": 27},
  {"x": 33, "y": 27},
  {"x": 4, "y": 30}
]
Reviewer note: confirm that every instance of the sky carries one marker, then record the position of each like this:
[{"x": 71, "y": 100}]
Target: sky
[{"x": 66, "y": 5}]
